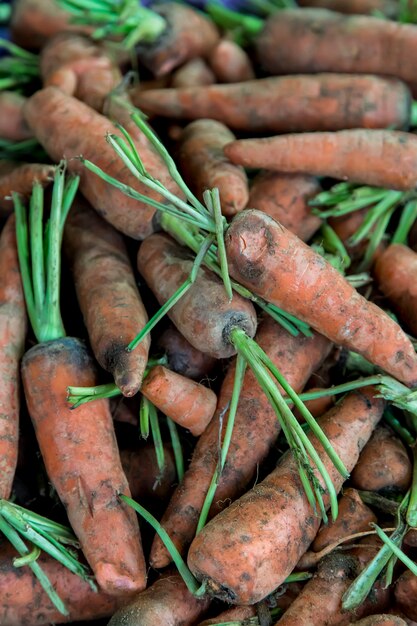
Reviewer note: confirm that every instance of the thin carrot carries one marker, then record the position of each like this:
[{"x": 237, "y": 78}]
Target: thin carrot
[
  {"x": 182, "y": 357},
  {"x": 285, "y": 198},
  {"x": 194, "y": 72},
  {"x": 107, "y": 294},
  {"x": 230, "y": 63},
  {"x": 19, "y": 178},
  {"x": 289, "y": 103},
  {"x": 406, "y": 594},
  {"x": 273, "y": 523},
  {"x": 204, "y": 166},
  {"x": 280, "y": 268},
  {"x": 12, "y": 122},
  {"x": 13, "y": 326}
]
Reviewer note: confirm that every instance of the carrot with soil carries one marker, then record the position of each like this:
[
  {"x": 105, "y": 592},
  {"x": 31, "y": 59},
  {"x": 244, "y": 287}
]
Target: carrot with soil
[
  {"x": 230, "y": 63},
  {"x": 12, "y": 122},
  {"x": 19, "y": 178},
  {"x": 194, "y": 72},
  {"x": 182, "y": 357}
]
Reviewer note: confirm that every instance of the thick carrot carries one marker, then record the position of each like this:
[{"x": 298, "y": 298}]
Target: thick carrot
[
  {"x": 108, "y": 295},
  {"x": 383, "y": 463},
  {"x": 80, "y": 68},
  {"x": 186, "y": 402},
  {"x": 272, "y": 525},
  {"x": 12, "y": 122},
  {"x": 204, "y": 166},
  {"x": 366, "y": 7},
  {"x": 380, "y": 620},
  {"x": 230, "y": 63},
  {"x": 194, "y": 72},
  {"x": 183, "y": 358},
  {"x": 382, "y": 158},
  {"x": 82, "y": 461},
  {"x": 188, "y": 34},
  {"x": 146, "y": 481},
  {"x": 318, "y": 40},
  {"x": 25, "y": 603},
  {"x": 395, "y": 271},
  {"x": 285, "y": 198},
  {"x": 406, "y": 594},
  {"x": 167, "y": 601},
  {"x": 289, "y": 103},
  {"x": 13, "y": 327},
  {"x": 20, "y": 178},
  {"x": 271, "y": 261},
  {"x": 204, "y": 314},
  {"x": 54, "y": 118},
  {"x": 255, "y": 430}
]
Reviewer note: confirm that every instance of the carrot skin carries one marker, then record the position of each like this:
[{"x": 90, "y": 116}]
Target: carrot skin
[
  {"x": 380, "y": 620},
  {"x": 20, "y": 178},
  {"x": 13, "y": 327},
  {"x": 289, "y": 103},
  {"x": 204, "y": 166},
  {"x": 361, "y": 7},
  {"x": 272, "y": 525},
  {"x": 255, "y": 430},
  {"x": 146, "y": 481},
  {"x": 186, "y": 402},
  {"x": 194, "y": 73},
  {"x": 82, "y": 461},
  {"x": 317, "y": 406},
  {"x": 108, "y": 295},
  {"x": 204, "y": 314},
  {"x": 284, "y": 197},
  {"x": 276, "y": 265},
  {"x": 381, "y": 158},
  {"x": 12, "y": 122},
  {"x": 230, "y": 63},
  {"x": 406, "y": 594},
  {"x": 183, "y": 358}
]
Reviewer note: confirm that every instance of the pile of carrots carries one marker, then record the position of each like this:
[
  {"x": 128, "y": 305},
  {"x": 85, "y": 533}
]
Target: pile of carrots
[{"x": 208, "y": 313}]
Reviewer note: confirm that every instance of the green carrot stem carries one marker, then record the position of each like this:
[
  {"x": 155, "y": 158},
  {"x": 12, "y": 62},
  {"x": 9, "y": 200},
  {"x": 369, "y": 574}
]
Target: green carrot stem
[
  {"x": 397, "y": 427},
  {"x": 156, "y": 437},
  {"x": 28, "y": 558},
  {"x": 411, "y": 515},
  {"x": 334, "y": 244},
  {"x": 407, "y": 218},
  {"x": 413, "y": 113},
  {"x": 386, "y": 204},
  {"x": 237, "y": 387},
  {"x": 394, "y": 547},
  {"x": 144, "y": 417},
  {"x": 212, "y": 200},
  {"x": 377, "y": 501},
  {"x": 81, "y": 395},
  {"x": 176, "y": 448},
  {"x": 376, "y": 238},
  {"x": 36, "y": 246},
  {"x": 228, "y": 19}
]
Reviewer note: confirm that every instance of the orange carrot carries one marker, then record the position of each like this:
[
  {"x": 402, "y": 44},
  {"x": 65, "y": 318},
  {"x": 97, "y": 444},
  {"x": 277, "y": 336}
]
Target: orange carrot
[
  {"x": 194, "y": 73},
  {"x": 289, "y": 103},
  {"x": 204, "y": 166},
  {"x": 186, "y": 402},
  {"x": 255, "y": 430},
  {"x": 406, "y": 594},
  {"x": 80, "y": 68},
  {"x": 382, "y": 158},
  {"x": 183, "y": 358},
  {"x": 394, "y": 271},
  {"x": 285, "y": 198},
  {"x": 380, "y": 620},
  {"x": 365, "y": 7},
  {"x": 146, "y": 481},
  {"x": 108, "y": 296},
  {"x": 54, "y": 118},
  {"x": 12, "y": 122},
  {"x": 276, "y": 265},
  {"x": 272, "y": 525},
  {"x": 317, "y": 406},
  {"x": 12, "y": 342},
  {"x": 230, "y": 63},
  {"x": 20, "y": 177},
  {"x": 204, "y": 314}
]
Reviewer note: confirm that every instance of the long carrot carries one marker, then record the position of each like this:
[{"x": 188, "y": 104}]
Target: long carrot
[
  {"x": 204, "y": 166},
  {"x": 19, "y": 178},
  {"x": 273, "y": 524},
  {"x": 255, "y": 430},
  {"x": 381, "y": 158},
  {"x": 288, "y": 103},
  {"x": 12, "y": 123},
  {"x": 230, "y": 63},
  {"x": 107, "y": 294},
  {"x": 12, "y": 341},
  {"x": 182, "y": 357},
  {"x": 280, "y": 268}
]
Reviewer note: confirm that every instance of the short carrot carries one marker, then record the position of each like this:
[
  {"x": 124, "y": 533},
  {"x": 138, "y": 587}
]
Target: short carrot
[
  {"x": 279, "y": 267},
  {"x": 288, "y": 103},
  {"x": 19, "y": 178},
  {"x": 194, "y": 72},
  {"x": 285, "y": 198},
  {"x": 107, "y": 294},
  {"x": 13, "y": 326},
  {"x": 230, "y": 63},
  {"x": 12, "y": 122},
  {"x": 204, "y": 166},
  {"x": 182, "y": 357},
  {"x": 273, "y": 524}
]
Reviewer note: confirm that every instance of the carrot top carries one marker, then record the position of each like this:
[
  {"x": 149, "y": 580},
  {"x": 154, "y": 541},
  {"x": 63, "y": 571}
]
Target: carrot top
[
  {"x": 18, "y": 68},
  {"x": 39, "y": 251}
]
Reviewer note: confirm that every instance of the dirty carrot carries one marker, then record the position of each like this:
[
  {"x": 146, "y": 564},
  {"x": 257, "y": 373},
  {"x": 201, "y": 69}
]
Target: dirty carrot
[
  {"x": 182, "y": 357},
  {"x": 19, "y": 178},
  {"x": 194, "y": 72},
  {"x": 12, "y": 122},
  {"x": 406, "y": 594},
  {"x": 107, "y": 294},
  {"x": 380, "y": 620},
  {"x": 230, "y": 63},
  {"x": 145, "y": 479},
  {"x": 365, "y": 7}
]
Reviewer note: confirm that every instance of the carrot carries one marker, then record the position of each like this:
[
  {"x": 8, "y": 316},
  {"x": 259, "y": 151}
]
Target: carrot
[
  {"x": 317, "y": 406},
  {"x": 394, "y": 271},
  {"x": 279, "y": 267},
  {"x": 410, "y": 538},
  {"x": 285, "y": 198},
  {"x": 406, "y": 594},
  {"x": 53, "y": 116},
  {"x": 24, "y": 602},
  {"x": 204, "y": 314},
  {"x": 167, "y": 601},
  {"x": 289, "y": 103},
  {"x": 183, "y": 358},
  {"x": 188, "y": 34},
  {"x": 230, "y": 63},
  {"x": 347, "y": 225},
  {"x": 144, "y": 476},
  {"x": 108, "y": 296},
  {"x": 12, "y": 123},
  {"x": 255, "y": 430},
  {"x": 235, "y": 615},
  {"x": 273, "y": 523},
  {"x": 318, "y": 40},
  {"x": 186, "y": 402},
  {"x": 194, "y": 72},
  {"x": 366, "y": 7},
  {"x": 12, "y": 341},
  {"x": 381, "y": 158},
  {"x": 19, "y": 178},
  {"x": 204, "y": 166},
  {"x": 383, "y": 464},
  {"x": 80, "y": 68},
  {"x": 380, "y": 620}
]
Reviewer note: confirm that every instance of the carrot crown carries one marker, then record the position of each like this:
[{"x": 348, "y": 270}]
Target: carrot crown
[{"x": 39, "y": 251}]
